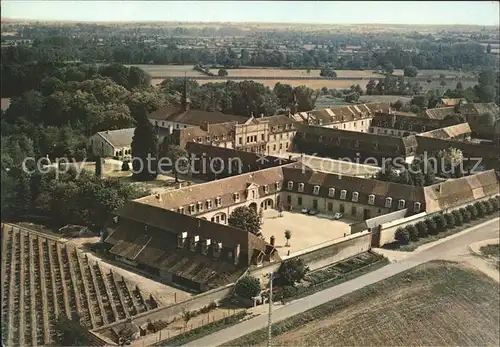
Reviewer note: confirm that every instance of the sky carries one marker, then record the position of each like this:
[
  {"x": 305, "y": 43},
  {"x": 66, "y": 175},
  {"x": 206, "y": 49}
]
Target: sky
[{"x": 331, "y": 12}]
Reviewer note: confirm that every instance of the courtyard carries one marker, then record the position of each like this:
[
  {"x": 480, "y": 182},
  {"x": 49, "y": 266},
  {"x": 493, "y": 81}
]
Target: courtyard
[{"x": 306, "y": 231}]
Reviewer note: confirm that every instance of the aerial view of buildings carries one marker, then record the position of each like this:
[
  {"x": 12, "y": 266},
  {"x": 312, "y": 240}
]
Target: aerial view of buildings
[{"x": 174, "y": 176}]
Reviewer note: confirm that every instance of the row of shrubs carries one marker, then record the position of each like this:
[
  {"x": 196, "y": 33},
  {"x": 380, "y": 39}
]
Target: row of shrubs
[{"x": 441, "y": 222}]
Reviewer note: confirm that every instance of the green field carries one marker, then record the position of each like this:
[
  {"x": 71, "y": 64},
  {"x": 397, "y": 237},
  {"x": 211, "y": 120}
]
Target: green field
[{"x": 434, "y": 304}]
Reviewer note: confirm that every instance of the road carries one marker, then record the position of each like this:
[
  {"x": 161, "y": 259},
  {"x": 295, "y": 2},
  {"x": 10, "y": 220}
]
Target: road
[{"x": 451, "y": 246}]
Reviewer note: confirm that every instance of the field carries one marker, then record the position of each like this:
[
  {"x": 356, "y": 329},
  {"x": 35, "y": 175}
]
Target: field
[
  {"x": 435, "y": 304},
  {"x": 42, "y": 278}
]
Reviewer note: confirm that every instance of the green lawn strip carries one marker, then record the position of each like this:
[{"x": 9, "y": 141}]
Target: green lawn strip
[
  {"x": 202, "y": 331},
  {"x": 431, "y": 238},
  {"x": 446, "y": 272},
  {"x": 303, "y": 291}
]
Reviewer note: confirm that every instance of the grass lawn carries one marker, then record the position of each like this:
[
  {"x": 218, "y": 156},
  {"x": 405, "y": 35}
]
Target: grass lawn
[{"x": 434, "y": 304}]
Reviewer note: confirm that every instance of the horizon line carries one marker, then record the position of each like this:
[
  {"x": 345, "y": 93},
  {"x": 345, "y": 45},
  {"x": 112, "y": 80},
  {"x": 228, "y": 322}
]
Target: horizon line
[{"x": 145, "y": 21}]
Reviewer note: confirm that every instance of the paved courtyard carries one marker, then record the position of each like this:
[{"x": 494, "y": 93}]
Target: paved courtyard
[{"x": 307, "y": 231}]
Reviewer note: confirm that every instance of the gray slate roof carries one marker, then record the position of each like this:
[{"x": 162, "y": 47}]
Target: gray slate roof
[{"x": 118, "y": 138}]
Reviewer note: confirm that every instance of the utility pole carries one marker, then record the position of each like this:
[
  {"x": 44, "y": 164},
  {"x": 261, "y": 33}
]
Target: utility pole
[{"x": 269, "y": 317}]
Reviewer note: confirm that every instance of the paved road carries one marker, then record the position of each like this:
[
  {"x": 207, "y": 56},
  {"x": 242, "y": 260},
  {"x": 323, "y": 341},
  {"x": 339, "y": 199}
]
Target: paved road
[{"x": 454, "y": 245}]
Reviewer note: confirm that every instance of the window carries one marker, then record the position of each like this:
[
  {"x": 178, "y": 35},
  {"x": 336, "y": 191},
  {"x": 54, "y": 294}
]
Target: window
[
  {"x": 353, "y": 210},
  {"x": 218, "y": 202},
  {"x": 208, "y": 138},
  {"x": 209, "y": 204},
  {"x": 423, "y": 128},
  {"x": 266, "y": 189},
  {"x": 331, "y": 192},
  {"x": 343, "y": 194},
  {"x": 274, "y": 137},
  {"x": 191, "y": 209},
  {"x": 301, "y": 187},
  {"x": 156, "y": 122},
  {"x": 281, "y": 146},
  {"x": 330, "y": 206},
  {"x": 262, "y": 137},
  {"x": 286, "y": 146},
  {"x": 199, "y": 139},
  {"x": 316, "y": 190},
  {"x": 248, "y": 139},
  {"x": 180, "y": 210},
  {"x": 278, "y": 185},
  {"x": 236, "y": 197},
  {"x": 177, "y": 126},
  {"x": 253, "y": 194},
  {"x": 362, "y": 122},
  {"x": 355, "y": 196},
  {"x": 274, "y": 147},
  {"x": 240, "y": 140},
  {"x": 299, "y": 201},
  {"x": 200, "y": 206},
  {"x": 401, "y": 204},
  {"x": 371, "y": 199},
  {"x": 341, "y": 208},
  {"x": 388, "y": 202},
  {"x": 416, "y": 207},
  {"x": 290, "y": 185},
  {"x": 288, "y": 199}
]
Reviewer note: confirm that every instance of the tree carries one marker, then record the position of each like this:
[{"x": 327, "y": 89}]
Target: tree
[
  {"x": 474, "y": 214},
  {"x": 247, "y": 287},
  {"x": 450, "y": 220},
  {"x": 328, "y": 72},
  {"x": 402, "y": 236},
  {"x": 410, "y": 71},
  {"x": 442, "y": 83},
  {"x": 352, "y": 97},
  {"x": 412, "y": 232},
  {"x": 480, "y": 208},
  {"x": 288, "y": 235},
  {"x": 431, "y": 225},
  {"x": 459, "y": 218},
  {"x": 177, "y": 159},
  {"x": 125, "y": 165},
  {"x": 186, "y": 316},
  {"x": 245, "y": 218},
  {"x": 466, "y": 215},
  {"x": 69, "y": 332},
  {"x": 449, "y": 161},
  {"x": 494, "y": 204},
  {"x": 144, "y": 145},
  {"x": 98, "y": 167},
  {"x": 488, "y": 207},
  {"x": 422, "y": 229},
  {"x": 291, "y": 272},
  {"x": 441, "y": 223},
  {"x": 223, "y": 73},
  {"x": 389, "y": 68},
  {"x": 488, "y": 48},
  {"x": 306, "y": 99}
]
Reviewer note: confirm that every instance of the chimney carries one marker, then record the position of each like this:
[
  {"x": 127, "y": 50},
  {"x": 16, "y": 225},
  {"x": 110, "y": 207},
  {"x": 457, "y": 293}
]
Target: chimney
[
  {"x": 181, "y": 239},
  {"x": 262, "y": 115},
  {"x": 237, "y": 254},
  {"x": 272, "y": 240}
]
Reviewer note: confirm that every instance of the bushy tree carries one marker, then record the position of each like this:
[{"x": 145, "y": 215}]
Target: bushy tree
[
  {"x": 247, "y": 287},
  {"x": 223, "y": 73},
  {"x": 466, "y": 215},
  {"x": 410, "y": 71},
  {"x": 494, "y": 204},
  {"x": 422, "y": 229},
  {"x": 245, "y": 218},
  {"x": 450, "y": 220},
  {"x": 473, "y": 212},
  {"x": 412, "y": 232},
  {"x": 144, "y": 145},
  {"x": 431, "y": 225},
  {"x": 481, "y": 209},
  {"x": 459, "y": 217},
  {"x": 125, "y": 165},
  {"x": 441, "y": 223},
  {"x": 178, "y": 157},
  {"x": 328, "y": 72},
  {"x": 291, "y": 272},
  {"x": 402, "y": 236}
]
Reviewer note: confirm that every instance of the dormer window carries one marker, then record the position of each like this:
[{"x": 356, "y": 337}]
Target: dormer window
[
  {"x": 290, "y": 185},
  {"x": 209, "y": 204},
  {"x": 200, "y": 206},
  {"x": 278, "y": 186},
  {"x": 266, "y": 189},
  {"x": 331, "y": 192},
  {"x": 416, "y": 207},
  {"x": 218, "y": 202},
  {"x": 343, "y": 194},
  {"x": 410, "y": 127},
  {"x": 423, "y": 128},
  {"x": 401, "y": 204},
  {"x": 316, "y": 190},
  {"x": 191, "y": 209},
  {"x": 208, "y": 138},
  {"x": 355, "y": 196},
  {"x": 371, "y": 199},
  {"x": 301, "y": 187},
  {"x": 199, "y": 139},
  {"x": 236, "y": 197},
  {"x": 388, "y": 202},
  {"x": 180, "y": 210}
]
